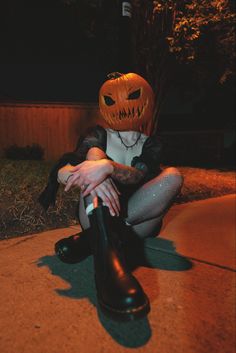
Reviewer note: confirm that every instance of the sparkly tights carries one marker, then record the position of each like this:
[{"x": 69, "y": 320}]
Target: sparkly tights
[{"x": 148, "y": 205}]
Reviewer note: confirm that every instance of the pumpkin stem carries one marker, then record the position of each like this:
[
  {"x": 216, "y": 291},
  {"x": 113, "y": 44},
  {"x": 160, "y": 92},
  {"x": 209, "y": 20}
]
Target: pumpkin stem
[{"x": 114, "y": 75}]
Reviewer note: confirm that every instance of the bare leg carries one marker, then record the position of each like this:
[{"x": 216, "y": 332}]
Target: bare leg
[
  {"x": 83, "y": 218},
  {"x": 148, "y": 205}
]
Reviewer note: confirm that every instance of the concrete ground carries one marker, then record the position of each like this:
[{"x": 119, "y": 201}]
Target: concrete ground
[{"x": 47, "y": 306}]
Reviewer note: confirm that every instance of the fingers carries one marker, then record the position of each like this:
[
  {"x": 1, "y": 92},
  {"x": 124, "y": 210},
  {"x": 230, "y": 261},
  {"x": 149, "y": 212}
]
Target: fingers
[
  {"x": 109, "y": 195},
  {"x": 111, "y": 192},
  {"x": 108, "y": 202},
  {"x": 114, "y": 185},
  {"x": 73, "y": 180},
  {"x": 89, "y": 188},
  {"x": 88, "y": 172},
  {"x": 106, "y": 190},
  {"x": 100, "y": 194},
  {"x": 93, "y": 194},
  {"x": 109, "y": 182}
]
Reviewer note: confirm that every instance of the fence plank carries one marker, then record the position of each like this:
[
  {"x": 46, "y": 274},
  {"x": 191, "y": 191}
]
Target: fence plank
[{"x": 55, "y": 127}]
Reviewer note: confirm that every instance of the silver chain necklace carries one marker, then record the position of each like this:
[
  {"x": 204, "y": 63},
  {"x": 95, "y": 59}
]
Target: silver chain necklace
[{"x": 127, "y": 147}]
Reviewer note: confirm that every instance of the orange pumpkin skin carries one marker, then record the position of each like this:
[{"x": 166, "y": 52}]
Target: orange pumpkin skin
[{"x": 127, "y": 102}]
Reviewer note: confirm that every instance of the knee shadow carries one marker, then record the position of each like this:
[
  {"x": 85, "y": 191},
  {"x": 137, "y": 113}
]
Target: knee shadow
[
  {"x": 161, "y": 253},
  {"x": 132, "y": 334}
]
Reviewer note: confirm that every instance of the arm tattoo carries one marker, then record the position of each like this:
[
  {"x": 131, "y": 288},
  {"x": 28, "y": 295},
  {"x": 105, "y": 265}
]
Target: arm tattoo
[
  {"x": 125, "y": 174},
  {"x": 122, "y": 173}
]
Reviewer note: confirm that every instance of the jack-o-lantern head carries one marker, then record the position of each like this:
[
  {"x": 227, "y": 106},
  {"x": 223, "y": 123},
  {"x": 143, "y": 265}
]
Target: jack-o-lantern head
[{"x": 126, "y": 102}]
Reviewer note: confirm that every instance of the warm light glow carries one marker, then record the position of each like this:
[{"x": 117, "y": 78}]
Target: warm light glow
[{"x": 118, "y": 267}]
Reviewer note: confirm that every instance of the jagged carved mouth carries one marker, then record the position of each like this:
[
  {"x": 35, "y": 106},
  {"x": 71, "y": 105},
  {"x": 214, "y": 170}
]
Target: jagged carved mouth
[{"x": 129, "y": 113}]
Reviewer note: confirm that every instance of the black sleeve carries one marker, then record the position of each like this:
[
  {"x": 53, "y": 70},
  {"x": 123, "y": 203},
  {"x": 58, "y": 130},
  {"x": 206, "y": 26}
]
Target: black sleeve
[
  {"x": 150, "y": 157},
  {"x": 94, "y": 137}
]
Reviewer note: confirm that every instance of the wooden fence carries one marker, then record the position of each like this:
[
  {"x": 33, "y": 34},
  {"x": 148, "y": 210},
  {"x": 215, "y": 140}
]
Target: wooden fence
[{"x": 55, "y": 127}]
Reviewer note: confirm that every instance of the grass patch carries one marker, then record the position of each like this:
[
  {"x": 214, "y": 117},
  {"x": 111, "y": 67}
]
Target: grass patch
[
  {"x": 22, "y": 181},
  {"x": 20, "y": 185}
]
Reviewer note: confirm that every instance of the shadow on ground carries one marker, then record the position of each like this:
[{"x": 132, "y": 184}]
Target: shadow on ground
[
  {"x": 80, "y": 276},
  {"x": 161, "y": 253}
]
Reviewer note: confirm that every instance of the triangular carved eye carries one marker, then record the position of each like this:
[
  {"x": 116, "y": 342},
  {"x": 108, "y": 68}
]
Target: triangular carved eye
[
  {"x": 108, "y": 100},
  {"x": 135, "y": 94}
]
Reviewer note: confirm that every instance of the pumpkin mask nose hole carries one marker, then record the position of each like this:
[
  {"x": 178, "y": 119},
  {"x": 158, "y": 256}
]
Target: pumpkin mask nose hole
[{"x": 108, "y": 100}]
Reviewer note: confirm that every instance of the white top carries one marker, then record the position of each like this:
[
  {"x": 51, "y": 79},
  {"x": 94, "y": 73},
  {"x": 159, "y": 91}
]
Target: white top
[{"x": 118, "y": 152}]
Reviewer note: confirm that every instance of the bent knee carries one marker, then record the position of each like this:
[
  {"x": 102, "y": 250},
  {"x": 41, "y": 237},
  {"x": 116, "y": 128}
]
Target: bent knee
[{"x": 174, "y": 177}]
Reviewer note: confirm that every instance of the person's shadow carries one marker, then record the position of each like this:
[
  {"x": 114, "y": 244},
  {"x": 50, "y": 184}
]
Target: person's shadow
[
  {"x": 80, "y": 276},
  {"x": 161, "y": 253}
]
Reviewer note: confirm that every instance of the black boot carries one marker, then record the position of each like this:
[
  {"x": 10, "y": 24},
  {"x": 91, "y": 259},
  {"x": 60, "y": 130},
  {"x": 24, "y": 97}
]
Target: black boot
[
  {"x": 134, "y": 247},
  {"x": 119, "y": 293},
  {"x": 74, "y": 248}
]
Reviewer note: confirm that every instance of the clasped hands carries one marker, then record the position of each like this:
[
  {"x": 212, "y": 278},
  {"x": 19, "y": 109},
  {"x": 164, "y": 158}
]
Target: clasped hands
[{"x": 93, "y": 178}]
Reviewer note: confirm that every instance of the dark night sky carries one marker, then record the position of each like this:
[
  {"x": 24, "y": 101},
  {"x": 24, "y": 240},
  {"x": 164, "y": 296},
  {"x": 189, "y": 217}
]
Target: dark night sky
[
  {"x": 50, "y": 82},
  {"x": 47, "y": 56}
]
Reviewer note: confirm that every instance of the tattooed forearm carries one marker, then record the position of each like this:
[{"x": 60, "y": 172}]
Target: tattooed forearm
[
  {"x": 125, "y": 174},
  {"x": 95, "y": 154},
  {"x": 120, "y": 172}
]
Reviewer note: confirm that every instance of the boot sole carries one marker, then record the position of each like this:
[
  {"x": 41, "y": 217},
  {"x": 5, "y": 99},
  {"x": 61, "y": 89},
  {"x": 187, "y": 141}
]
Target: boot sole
[
  {"x": 127, "y": 315},
  {"x": 69, "y": 260}
]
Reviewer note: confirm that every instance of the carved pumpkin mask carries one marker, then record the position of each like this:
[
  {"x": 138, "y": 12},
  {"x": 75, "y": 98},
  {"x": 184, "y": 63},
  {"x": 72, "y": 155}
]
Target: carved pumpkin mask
[{"x": 126, "y": 102}]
